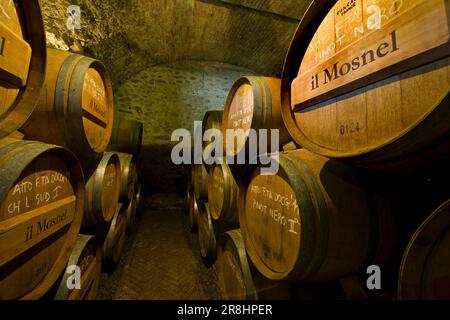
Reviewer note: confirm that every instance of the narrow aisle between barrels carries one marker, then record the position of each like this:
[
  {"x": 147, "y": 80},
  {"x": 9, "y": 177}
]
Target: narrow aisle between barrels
[{"x": 161, "y": 260}]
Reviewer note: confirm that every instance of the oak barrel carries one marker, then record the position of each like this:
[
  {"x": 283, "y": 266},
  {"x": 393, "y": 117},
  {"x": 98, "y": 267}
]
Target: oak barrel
[
  {"x": 223, "y": 193},
  {"x": 22, "y": 62},
  {"x": 102, "y": 191},
  {"x": 129, "y": 174},
  {"x": 76, "y": 106},
  {"x": 360, "y": 83},
  {"x": 206, "y": 236},
  {"x": 87, "y": 255},
  {"x": 253, "y": 103},
  {"x": 211, "y": 120},
  {"x": 238, "y": 280},
  {"x": 309, "y": 222},
  {"x": 41, "y": 209},
  {"x": 115, "y": 238},
  {"x": 200, "y": 182},
  {"x": 126, "y": 136},
  {"x": 424, "y": 271}
]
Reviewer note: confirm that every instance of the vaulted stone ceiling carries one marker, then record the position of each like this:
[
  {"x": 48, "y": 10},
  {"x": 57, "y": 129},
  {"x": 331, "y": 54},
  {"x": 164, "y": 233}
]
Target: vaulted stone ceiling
[
  {"x": 131, "y": 35},
  {"x": 172, "y": 60}
]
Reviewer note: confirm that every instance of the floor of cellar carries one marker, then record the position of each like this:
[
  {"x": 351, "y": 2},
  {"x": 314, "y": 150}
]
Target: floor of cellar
[{"x": 161, "y": 259}]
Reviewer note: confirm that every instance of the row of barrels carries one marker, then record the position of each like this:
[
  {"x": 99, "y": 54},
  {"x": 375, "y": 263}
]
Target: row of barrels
[
  {"x": 318, "y": 219},
  {"x": 113, "y": 197},
  {"x": 315, "y": 221},
  {"x": 57, "y": 124},
  {"x": 46, "y": 201},
  {"x": 211, "y": 203}
]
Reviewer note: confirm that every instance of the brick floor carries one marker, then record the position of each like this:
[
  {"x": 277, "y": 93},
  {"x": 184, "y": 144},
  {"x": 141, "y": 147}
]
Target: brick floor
[{"x": 161, "y": 259}]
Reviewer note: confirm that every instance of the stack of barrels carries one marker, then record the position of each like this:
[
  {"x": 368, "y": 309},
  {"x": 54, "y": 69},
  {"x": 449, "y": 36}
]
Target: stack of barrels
[
  {"x": 361, "y": 94},
  {"x": 358, "y": 97},
  {"x": 211, "y": 202},
  {"x": 212, "y": 196},
  {"x": 56, "y": 122}
]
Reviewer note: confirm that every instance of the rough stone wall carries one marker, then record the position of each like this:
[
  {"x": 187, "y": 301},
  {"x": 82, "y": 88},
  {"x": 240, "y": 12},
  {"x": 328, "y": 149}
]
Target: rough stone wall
[
  {"x": 101, "y": 35},
  {"x": 169, "y": 97},
  {"x": 132, "y": 35}
]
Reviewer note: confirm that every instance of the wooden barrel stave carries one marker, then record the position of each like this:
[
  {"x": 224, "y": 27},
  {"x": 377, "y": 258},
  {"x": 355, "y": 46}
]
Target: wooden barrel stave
[
  {"x": 22, "y": 67},
  {"x": 223, "y": 194},
  {"x": 200, "y": 182},
  {"x": 424, "y": 270},
  {"x": 308, "y": 199},
  {"x": 206, "y": 235},
  {"x": 50, "y": 220},
  {"x": 128, "y": 165},
  {"x": 253, "y": 103},
  {"x": 102, "y": 191},
  {"x": 126, "y": 136},
  {"x": 76, "y": 105},
  {"x": 211, "y": 120},
  {"x": 238, "y": 279},
  {"x": 232, "y": 260},
  {"x": 115, "y": 238}
]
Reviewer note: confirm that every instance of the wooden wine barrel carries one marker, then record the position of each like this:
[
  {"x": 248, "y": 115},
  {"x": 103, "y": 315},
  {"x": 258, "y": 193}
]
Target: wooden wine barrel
[
  {"x": 76, "y": 105},
  {"x": 212, "y": 120},
  {"x": 102, "y": 191},
  {"x": 87, "y": 255},
  {"x": 360, "y": 82},
  {"x": 253, "y": 103},
  {"x": 126, "y": 136},
  {"x": 309, "y": 222},
  {"x": 193, "y": 214},
  {"x": 115, "y": 238},
  {"x": 424, "y": 271},
  {"x": 131, "y": 212},
  {"x": 238, "y": 280},
  {"x": 233, "y": 269},
  {"x": 129, "y": 174},
  {"x": 22, "y": 62},
  {"x": 41, "y": 208},
  {"x": 223, "y": 194},
  {"x": 206, "y": 237},
  {"x": 200, "y": 182}
]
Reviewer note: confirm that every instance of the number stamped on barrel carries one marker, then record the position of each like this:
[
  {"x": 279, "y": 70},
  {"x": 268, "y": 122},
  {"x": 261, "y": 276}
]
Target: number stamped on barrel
[{"x": 349, "y": 128}]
